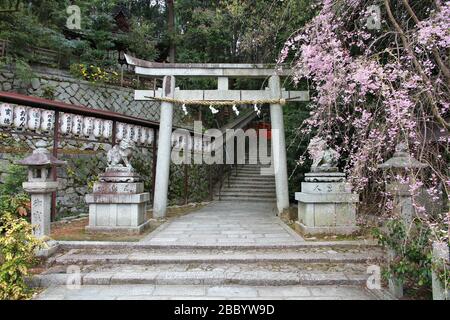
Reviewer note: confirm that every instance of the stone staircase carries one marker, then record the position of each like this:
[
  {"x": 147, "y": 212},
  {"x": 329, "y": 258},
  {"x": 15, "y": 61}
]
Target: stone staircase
[
  {"x": 248, "y": 183},
  {"x": 307, "y": 264}
]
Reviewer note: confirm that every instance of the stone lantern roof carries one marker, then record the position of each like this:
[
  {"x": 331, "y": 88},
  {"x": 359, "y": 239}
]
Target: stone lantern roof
[
  {"x": 402, "y": 160},
  {"x": 41, "y": 157}
]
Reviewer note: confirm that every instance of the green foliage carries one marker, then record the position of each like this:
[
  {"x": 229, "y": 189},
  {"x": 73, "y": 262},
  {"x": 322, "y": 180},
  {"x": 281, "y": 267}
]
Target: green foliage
[
  {"x": 17, "y": 204},
  {"x": 12, "y": 183},
  {"x": 48, "y": 92},
  {"x": 198, "y": 182},
  {"x": 205, "y": 31},
  {"x": 176, "y": 186},
  {"x": 22, "y": 69},
  {"x": 42, "y": 24},
  {"x": 93, "y": 74},
  {"x": 140, "y": 40},
  {"x": 294, "y": 115},
  {"x": 142, "y": 164},
  {"x": 39, "y": 24},
  {"x": 412, "y": 261},
  {"x": 17, "y": 248},
  {"x": 13, "y": 199},
  {"x": 236, "y": 31},
  {"x": 84, "y": 170},
  {"x": 443, "y": 274}
]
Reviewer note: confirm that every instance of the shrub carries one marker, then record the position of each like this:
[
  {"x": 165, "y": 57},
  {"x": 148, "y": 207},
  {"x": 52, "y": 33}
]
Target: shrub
[
  {"x": 12, "y": 197},
  {"x": 12, "y": 183},
  {"x": 412, "y": 264},
  {"x": 93, "y": 74},
  {"x": 18, "y": 205},
  {"x": 17, "y": 248}
]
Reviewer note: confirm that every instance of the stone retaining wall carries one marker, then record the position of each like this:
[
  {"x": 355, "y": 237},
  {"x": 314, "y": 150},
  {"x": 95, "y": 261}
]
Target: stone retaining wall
[{"x": 82, "y": 169}]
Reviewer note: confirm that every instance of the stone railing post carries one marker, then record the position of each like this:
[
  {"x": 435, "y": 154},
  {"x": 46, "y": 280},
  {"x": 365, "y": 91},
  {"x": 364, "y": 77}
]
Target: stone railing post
[{"x": 441, "y": 259}]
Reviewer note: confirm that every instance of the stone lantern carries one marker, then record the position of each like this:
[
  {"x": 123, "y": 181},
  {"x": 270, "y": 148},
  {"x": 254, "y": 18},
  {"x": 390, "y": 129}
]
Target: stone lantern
[
  {"x": 403, "y": 198},
  {"x": 399, "y": 164},
  {"x": 40, "y": 185}
]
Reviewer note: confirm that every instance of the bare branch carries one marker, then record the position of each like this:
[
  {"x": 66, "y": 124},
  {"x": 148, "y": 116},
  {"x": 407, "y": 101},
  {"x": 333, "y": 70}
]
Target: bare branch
[
  {"x": 417, "y": 65},
  {"x": 436, "y": 55}
]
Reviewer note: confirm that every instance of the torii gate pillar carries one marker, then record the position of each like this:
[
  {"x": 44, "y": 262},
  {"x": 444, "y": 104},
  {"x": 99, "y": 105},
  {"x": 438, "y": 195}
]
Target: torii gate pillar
[
  {"x": 278, "y": 146},
  {"x": 164, "y": 148}
]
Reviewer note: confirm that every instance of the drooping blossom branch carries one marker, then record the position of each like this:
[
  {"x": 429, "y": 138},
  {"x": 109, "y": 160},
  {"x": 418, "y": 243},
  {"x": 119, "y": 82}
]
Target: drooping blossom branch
[{"x": 374, "y": 88}]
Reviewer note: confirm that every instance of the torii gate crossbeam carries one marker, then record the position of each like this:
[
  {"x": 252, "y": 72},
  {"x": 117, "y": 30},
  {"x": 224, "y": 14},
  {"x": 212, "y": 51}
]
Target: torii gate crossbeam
[{"x": 222, "y": 72}]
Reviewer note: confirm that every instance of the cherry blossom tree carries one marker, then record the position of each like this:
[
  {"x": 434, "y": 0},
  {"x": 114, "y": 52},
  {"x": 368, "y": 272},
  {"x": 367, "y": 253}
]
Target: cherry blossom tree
[{"x": 379, "y": 73}]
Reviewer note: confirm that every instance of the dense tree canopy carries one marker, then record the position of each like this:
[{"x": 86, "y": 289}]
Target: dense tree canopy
[{"x": 205, "y": 31}]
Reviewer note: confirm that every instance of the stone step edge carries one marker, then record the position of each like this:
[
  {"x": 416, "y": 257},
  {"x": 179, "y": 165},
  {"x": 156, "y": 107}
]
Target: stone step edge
[
  {"x": 249, "y": 184},
  {"x": 265, "y": 198},
  {"x": 252, "y": 176},
  {"x": 254, "y": 190},
  {"x": 228, "y": 198},
  {"x": 249, "y": 192},
  {"x": 249, "y": 187},
  {"x": 65, "y": 245},
  {"x": 199, "y": 278},
  {"x": 256, "y": 194},
  {"x": 150, "y": 259}
]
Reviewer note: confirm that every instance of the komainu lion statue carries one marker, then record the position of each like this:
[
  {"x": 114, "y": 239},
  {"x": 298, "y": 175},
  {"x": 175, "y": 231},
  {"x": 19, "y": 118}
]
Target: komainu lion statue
[
  {"x": 119, "y": 155},
  {"x": 322, "y": 156}
]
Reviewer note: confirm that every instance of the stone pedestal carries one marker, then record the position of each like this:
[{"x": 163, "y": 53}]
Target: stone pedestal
[
  {"x": 441, "y": 259},
  {"x": 326, "y": 205},
  {"x": 41, "y": 205},
  {"x": 118, "y": 202},
  {"x": 395, "y": 284}
]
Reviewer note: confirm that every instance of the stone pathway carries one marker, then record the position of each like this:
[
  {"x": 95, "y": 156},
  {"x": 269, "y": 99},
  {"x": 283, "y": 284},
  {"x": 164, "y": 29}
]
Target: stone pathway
[
  {"x": 226, "y": 250},
  {"x": 198, "y": 292},
  {"x": 226, "y": 222}
]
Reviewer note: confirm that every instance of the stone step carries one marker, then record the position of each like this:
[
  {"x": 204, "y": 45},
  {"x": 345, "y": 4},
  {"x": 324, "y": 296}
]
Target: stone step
[
  {"x": 206, "y": 273},
  {"x": 252, "y": 189},
  {"x": 255, "y": 168},
  {"x": 248, "y": 193},
  {"x": 248, "y": 198},
  {"x": 249, "y": 185},
  {"x": 232, "y": 255},
  {"x": 148, "y": 259},
  {"x": 246, "y": 183},
  {"x": 252, "y": 166},
  {"x": 310, "y": 246},
  {"x": 213, "y": 292},
  {"x": 248, "y": 188},
  {"x": 256, "y": 175},
  {"x": 252, "y": 174},
  {"x": 248, "y": 173},
  {"x": 254, "y": 179}
]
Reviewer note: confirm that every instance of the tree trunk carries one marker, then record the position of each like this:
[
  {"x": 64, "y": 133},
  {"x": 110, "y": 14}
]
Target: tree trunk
[{"x": 171, "y": 29}]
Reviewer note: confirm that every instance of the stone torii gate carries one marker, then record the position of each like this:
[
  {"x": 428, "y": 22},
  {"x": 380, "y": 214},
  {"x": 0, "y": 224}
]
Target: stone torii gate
[{"x": 223, "y": 72}]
